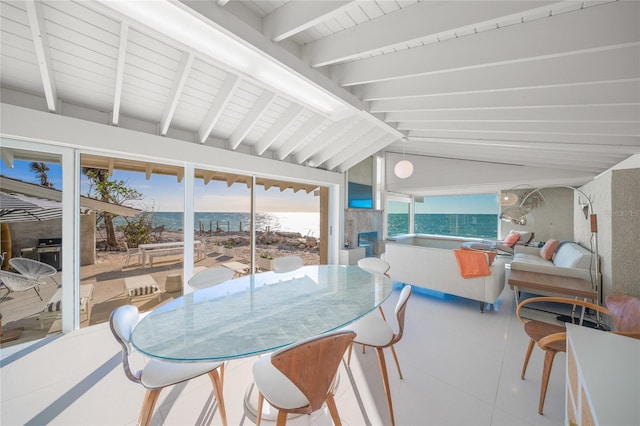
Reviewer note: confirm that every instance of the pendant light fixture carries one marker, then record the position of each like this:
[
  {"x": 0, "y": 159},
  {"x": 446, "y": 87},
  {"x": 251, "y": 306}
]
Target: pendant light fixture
[{"x": 403, "y": 168}]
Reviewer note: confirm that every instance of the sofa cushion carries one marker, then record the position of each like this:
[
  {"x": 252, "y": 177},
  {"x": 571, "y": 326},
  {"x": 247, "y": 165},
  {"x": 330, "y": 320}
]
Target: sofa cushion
[
  {"x": 572, "y": 255},
  {"x": 531, "y": 259},
  {"x": 549, "y": 248},
  {"x": 511, "y": 239}
]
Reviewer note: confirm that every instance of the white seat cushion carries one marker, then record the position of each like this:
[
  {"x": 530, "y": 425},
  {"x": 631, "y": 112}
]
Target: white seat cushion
[
  {"x": 157, "y": 374},
  {"x": 275, "y": 386},
  {"x": 372, "y": 330}
]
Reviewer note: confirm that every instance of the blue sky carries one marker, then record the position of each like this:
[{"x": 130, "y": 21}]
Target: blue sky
[{"x": 165, "y": 193}]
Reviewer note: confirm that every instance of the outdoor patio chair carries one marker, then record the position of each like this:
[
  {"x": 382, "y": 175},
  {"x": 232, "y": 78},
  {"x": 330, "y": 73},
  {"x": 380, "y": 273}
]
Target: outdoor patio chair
[
  {"x": 132, "y": 252},
  {"x": 33, "y": 268},
  {"x": 18, "y": 282},
  {"x": 158, "y": 374}
]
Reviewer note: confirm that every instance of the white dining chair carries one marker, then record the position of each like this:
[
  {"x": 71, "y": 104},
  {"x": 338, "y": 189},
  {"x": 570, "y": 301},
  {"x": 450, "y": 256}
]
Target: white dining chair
[
  {"x": 287, "y": 263},
  {"x": 373, "y": 331},
  {"x": 157, "y": 374},
  {"x": 300, "y": 378},
  {"x": 210, "y": 277},
  {"x": 376, "y": 266}
]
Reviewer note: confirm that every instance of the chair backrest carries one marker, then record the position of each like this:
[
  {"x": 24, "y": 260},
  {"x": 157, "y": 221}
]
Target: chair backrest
[
  {"x": 401, "y": 307},
  {"x": 373, "y": 264},
  {"x": 625, "y": 311},
  {"x": 18, "y": 282},
  {"x": 312, "y": 364},
  {"x": 122, "y": 321},
  {"x": 27, "y": 266},
  {"x": 287, "y": 263},
  {"x": 210, "y": 277}
]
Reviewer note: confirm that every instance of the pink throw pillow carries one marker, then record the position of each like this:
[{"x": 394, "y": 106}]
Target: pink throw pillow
[
  {"x": 511, "y": 239},
  {"x": 548, "y": 249}
]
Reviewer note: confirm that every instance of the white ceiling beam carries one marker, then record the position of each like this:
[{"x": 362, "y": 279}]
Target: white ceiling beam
[
  {"x": 340, "y": 143},
  {"x": 117, "y": 90},
  {"x": 323, "y": 139},
  {"x": 522, "y": 156},
  {"x": 580, "y": 128},
  {"x": 300, "y": 136},
  {"x": 607, "y": 26},
  {"x": 544, "y": 147},
  {"x": 596, "y": 113},
  {"x": 222, "y": 3},
  {"x": 593, "y": 94},
  {"x": 529, "y": 137},
  {"x": 37, "y": 25},
  {"x": 249, "y": 120},
  {"x": 8, "y": 157},
  {"x": 184, "y": 67},
  {"x": 369, "y": 150},
  {"x": 297, "y": 16},
  {"x": 353, "y": 148},
  {"x": 276, "y": 130},
  {"x": 607, "y": 65},
  {"x": 410, "y": 25},
  {"x": 224, "y": 95},
  {"x": 519, "y": 158}
]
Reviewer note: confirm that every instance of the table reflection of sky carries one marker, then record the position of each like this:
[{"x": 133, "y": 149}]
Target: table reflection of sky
[{"x": 259, "y": 313}]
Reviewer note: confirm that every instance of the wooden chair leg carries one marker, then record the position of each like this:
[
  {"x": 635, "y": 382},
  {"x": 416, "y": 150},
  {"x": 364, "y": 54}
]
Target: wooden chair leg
[
  {"x": 382, "y": 312},
  {"x": 385, "y": 382},
  {"x": 546, "y": 372},
  {"x": 395, "y": 357},
  {"x": 217, "y": 389},
  {"x": 259, "y": 412},
  {"x": 148, "y": 404},
  {"x": 282, "y": 418},
  {"x": 526, "y": 358},
  {"x": 331, "y": 405}
]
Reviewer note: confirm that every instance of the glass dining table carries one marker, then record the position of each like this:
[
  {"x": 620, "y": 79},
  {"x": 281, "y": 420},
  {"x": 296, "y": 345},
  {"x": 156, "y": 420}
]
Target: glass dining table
[{"x": 259, "y": 313}]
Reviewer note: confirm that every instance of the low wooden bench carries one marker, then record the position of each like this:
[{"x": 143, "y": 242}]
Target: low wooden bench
[
  {"x": 163, "y": 252},
  {"x": 53, "y": 308},
  {"x": 141, "y": 286}
]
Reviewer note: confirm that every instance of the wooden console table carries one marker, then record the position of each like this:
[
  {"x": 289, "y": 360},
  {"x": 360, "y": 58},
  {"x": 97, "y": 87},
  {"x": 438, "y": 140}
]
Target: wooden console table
[{"x": 567, "y": 286}]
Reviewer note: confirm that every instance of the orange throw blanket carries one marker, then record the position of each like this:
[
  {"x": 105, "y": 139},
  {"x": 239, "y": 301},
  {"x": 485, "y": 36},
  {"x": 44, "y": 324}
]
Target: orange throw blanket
[{"x": 472, "y": 263}]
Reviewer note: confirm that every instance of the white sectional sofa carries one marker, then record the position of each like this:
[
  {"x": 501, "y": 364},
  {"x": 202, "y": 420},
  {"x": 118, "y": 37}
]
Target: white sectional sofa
[
  {"x": 570, "y": 260},
  {"x": 430, "y": 263}
]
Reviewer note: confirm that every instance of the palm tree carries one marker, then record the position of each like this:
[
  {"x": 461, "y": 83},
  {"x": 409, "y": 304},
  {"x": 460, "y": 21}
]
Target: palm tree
[{"x": 41, "y": 169}]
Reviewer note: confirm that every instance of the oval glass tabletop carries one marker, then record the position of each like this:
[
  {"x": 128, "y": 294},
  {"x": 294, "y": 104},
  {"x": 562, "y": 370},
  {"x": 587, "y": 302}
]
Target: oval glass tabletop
[{"x": 259, "y": 313}]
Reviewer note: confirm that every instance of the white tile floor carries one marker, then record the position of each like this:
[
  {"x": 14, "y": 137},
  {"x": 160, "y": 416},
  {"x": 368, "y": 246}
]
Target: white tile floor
[{"x": 460, "y": 367}]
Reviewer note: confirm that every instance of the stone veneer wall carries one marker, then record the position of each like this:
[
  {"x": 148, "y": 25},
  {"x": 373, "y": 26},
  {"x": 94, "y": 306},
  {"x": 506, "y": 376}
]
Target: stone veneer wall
[{"x": 362, "y": 220}]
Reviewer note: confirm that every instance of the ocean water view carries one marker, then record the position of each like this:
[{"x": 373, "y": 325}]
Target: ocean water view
[
  {"x": 462, "y": 225},
  {"x": 307, "y": 224}
]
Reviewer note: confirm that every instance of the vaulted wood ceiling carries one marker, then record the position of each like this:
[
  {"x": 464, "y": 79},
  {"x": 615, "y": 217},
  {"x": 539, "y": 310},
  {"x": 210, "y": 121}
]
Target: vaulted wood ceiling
[{"x": 325, "y": 84}]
